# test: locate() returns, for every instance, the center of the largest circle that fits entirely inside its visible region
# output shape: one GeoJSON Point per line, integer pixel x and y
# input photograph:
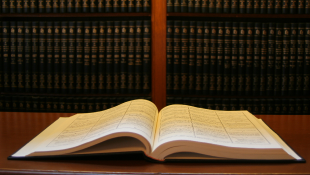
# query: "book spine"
{"type": "Point", "coordinates": [71, 56]}
{"type": "Point", "coordinates": [138, 5]}
{"type": "Point", "coordinates": [48, 6]}
{"type": "Point", "coordinates": [306, 73]}
{"type": "Point", "coordinates": [270, 6]}
{"type": "Point", "coordinates": [93, 6]}
{"type": "Point", "coordinates": [212, 6]}
{"type": "Point", "coordinates": [197, 6]}
{"type": "Point", "coordinates": [64, 57]}
{"type": "Point", "coordinates": [206, 58]}
{"type": "Point", "coordinates": [5, 6]}
{"type": "Point", "coordinates": [35, 56]}
{"type": "Point", "coordinates": [242, 6]}
{"type": "Point", "coordinates": [204, 6]}
{"type": "Point", "coordinates": [101, 56]}
{"type": "Point", "coordinates": [55, 6]}
{"type": "Point", "coordinates": [301, 7]}
{"type": "Point", "coordinates": [41, 6]}
{"type": "Point", "coordinates": [116, 6]}
{"type": "Point", "coordinates": [33, 6]}
{"type": "Point", "coordinates": [12, 6]}
{"type": "Point", "coordinates": [218, 6]}
{"type": "Point", "coordinates": [79, 57]}
{"type": "Point", "coordinates": [19, 6]}
{"type": "Point", "coordinates": [176, 56]}
{"type": "Point", "coordinates": [86, 65]}
{"type": "Point", "coordinates": [278, 7]}
{"type": "Point", "coordinates": [138, 56]}
{"type": "Point", "coordinates": [191, 7]}
{"type": "Point", "coordinates": [285, 58]}
{"type": "Point", "coordinates": [49, 56]}
{"type": "Point", "coordinates": [293, 6]}
{"type": "Point", "coordinates": [28, 67]}
{"type": "Point", "coordinates": [5, 67]}
{"type": "Point", "coordinates": [234, 58]}
{"type": "Point", "coordinates": [278, 59]}
{"type": "Point", "coordinates": [116, 56]}
{"type": "Point", "coordinates": [263, 6]}
{"type": "Point", "coordinates": [124, 6]}
{"type": "Point", "coordinates": [307, 7]}
{"type": "Point", "coordinates": [226, 6]}
{"type": "Point", "coordinates": [85, 6]}
{"type": "Point", "coordinates": [170, 6]}
{"type": "Point", "coordinates": [300, 57]}
{"type": "Point", "coordinates": [94, 57]}
{"type": "Point", "coordinates": [249, 6]}
{"type": "Point", "coordinates": [256, 6]}
{"type": "Point", "coordinates": [123, 57]}
{"type": "Point", "coordinates": [56, 62]}
{"type": "Point", "coordinates": [26, 6]}
{"type": "Point", "coordinates": [109, 57]}
{"type": "Point", "coordinates": [169, 55]}
{"type": "Point", "coordinates": [77, 6]}
{"type": "Point", "coordinates": [219, 58]}
{"type": "Point", "coordinates": [13, 58]}
{"type": "Point", "coordinates": [263, 59]}
{"type": "Point", "coordinates": [192, 57]}
{"type": "Point", "coordinates": [146, 6]}
{"type": "Point", "coordinates": [257, 58]}
{"type": "Point", "coordinates": [62, 6]}
{"type": "Point", "coordinates": [227, 58]}
{"type": "Point", "coordinates": [292, 60]}
{"type": "Point", "coordinates": [199, 57]}
{"type": "Point", "coordinates": [241, 60]}
{"type": "Point", "coordinates": [249, 68]}
{"type": "Point", "coordinates": [70, 6]}
{"type": "Point", "coordinates": [131, 56]}
{"type": "Point", "coordinates": [213, 56]}
{"type": "Point", "coordinates": [146, 63]}
{"type": "Point", "coordinates": [20, 57]}
{"type": "Point", "coordinates": [131, 6]}
{"type": "Point", "coordinates": [234, 6]}
{"type": "Point", "coordinates": [176, 5]}
{"type": "Point", "coordinates": [270, 59]}
{"type": "Point", "coordinates": [101, 6]}
{"type": "Point", "coordinates": [285, 6]}
{"type": "Point", "coordinates": [42, 56]}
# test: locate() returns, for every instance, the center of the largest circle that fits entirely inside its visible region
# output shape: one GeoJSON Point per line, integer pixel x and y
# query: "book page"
{"type": "Point", "coordinates": [135, 116]}
{"type": "Point", "coordinates": [226, 128]}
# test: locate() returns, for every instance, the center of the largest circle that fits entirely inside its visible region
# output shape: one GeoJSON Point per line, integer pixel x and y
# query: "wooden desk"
{"type": "Point", "coordinates": [17, 128]}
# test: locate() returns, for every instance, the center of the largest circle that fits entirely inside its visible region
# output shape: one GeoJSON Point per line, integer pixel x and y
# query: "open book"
{"type": "Point", "coordinates": [177, 132]}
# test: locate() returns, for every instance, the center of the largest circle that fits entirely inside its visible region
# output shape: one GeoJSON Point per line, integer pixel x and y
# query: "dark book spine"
{"type": "Point", "coordinates": [242, 6]}
{"type": "Point", "coordinates": [20, 57]}
{"type": "Point", "coordinates": [131, 56]}
{"type": "Point", "coordinates": [270, 6]}
{"type": "Point", "coordinates": [169, 55]}
{"type": "Point", "coordinates": [241, 60]}
{"type": "Point", "coordinates": [5, 6]}
{"type": "Point", "coordinates": [278, 59]}
{"type": "Point", "coordinates": [293, 6]}
{"type": "Point", "coordinates": [306, 74]}
{"type": "Point", "coordinates": [19, 6]}
{"type": "Point", "coordinates": [146, 6]}
{"type": "Point", "coordinates": [146, 62]}
{"type": "Point", "coordinates": [62, 6]}
{"type": "Point", "coordinates": [33, 6]}
{"type": "Point", "coordinates": [285, 6]}
{"type": "Point", "coordinates": [64, 57]}
{"type": "Point", "coordinates": [71, 56]}
{"type": "Point", "coordinates": [234, 6]}
{"type": "Point", "coordinates": [48, 6]}
{"type": "Point", "coordinates": [42, 56]}
{"type": "Point", "coordinates": [191, 7]}
{"type": "Point", "coordinates": [184, 57]}
{"type": "Point", "coordinates": [192, 57]}
{"type": "Point", "coordinates": [300, 57]}
{"type": "Point", "coordinates": [249, 6]}
{"type": "Point", "coordinates": [227, 58]}
{"type": "Point", "coordinates": [79, 56]}
{"type": "Point", "coordinates": [197, 6]}
{"type": "Point", "coordinates": [70, 6]}
{"type": "Point", "coordinates": [256, 59]}
{"type": "Point", "coordinates": [41, 6]}
{"type": "Point", "coordinates": [301, 6]}
{"type": "Point", "coordinates": [35, 56]}
{"type": "Point", "coordinates": [176, 56]}
{"type": "Point", "coordinates": [204, 6]}
{"type": "Point", "coordinates": [184, 7]}
{"type": "Point", "coordinates": [116, 55]}
{"type": "Point", "coordinates": [263, 59]}
{"type": "Point", "coordinates": [206, 58]}
{"type": "Point", "coordinates": [263, 6]}
{"type": "Point", "coordinates": [138, 5]}
{"type": "Point", "coordinates": [124, 6]}
{"type": "Point", "coordinates": [93, 6]}
{"type": "Point", "coordinates": [28, 67]}
{"type": "Point", "coordinates": [56, 6]}
{"type": "Point", "coordinates": [249, 68]}
{"type": "Point", "coordinates": [101, 6]}
{"type": "Point", "coordinates": [213, 56]}
{"type": "Point", "coordinates": [219, 6]}
{"type": "Point", "coordinates": [101, 56]}
{"type": "Point", "coordinates": [116, 6]}
{"type": "Point", "coordinates": [307, 7]}
{"type": "Point", "coordinates": [12, 6]}
{"type": "Point", "coordinates": [13, 58]}
{"type": "Point", "coordinates": [49, 56]}
{"type": "Point", "coordinates": [123, 57]}
{"type": "Point", "coordinates": [57, 55]}
{"type": "Point", "coordinates": [5, 31]}
{"type": "Point", "coordinates": [26, 6]}
{"type": "Point", "coordinates": [278, 7]}
{"type": "Point", "coordinates": [77, 6]}
{"type": "Point", "coordinates": [226, 6]}
{"type": "Point", "coordinates": [94, 57]}
{"type": "Point", "coordinates": [234, 58]}
{"type": "Point", "coordinates": [86, 60]}
{"type": "Point", "coordinates": [109, 57]}
{"type": "Point", "coordinates": [170, 6]}
{"type": "Point", "coordinates": [138, 56]}
{"type": "Point", "coordinates": [270, 59]}
{"type": "Point", "coordinates": [85, 6]}
{"type": "Point", "coordinates": [211, 6]}
{"type": "Point", "coordinates": [176, 5]}
{"type": "Point", "coordinates": [285, 58]}
{"type": "Point", "coordinates": [219, 58]}
{"type": "Point", "coordinates": [256, 6]}
{"type": "Point", "coordinates": [292, 60]}
{"type": "Point", "coordinates": [131, 6]}
{"type": "Point", "coordinates": [199, 57]}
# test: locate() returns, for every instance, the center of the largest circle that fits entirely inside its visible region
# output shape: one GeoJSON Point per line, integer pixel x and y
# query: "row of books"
{"type": "Point", "coordinates": [72, 104]}
{"type": "Point", "coordinates": [239, 6]}
{"type": "Point", "coordinates": [74, 6]}
{"type": "Point", "coordinates": [238, 58]}
{"type": "Point", "coordinates": [76, 56]}
{"type": "Point", "coordinates": [253, 105]}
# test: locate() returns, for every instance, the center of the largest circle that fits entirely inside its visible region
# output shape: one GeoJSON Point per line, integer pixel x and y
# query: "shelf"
{"type": "Point", "coordinates": [237, 15]}
{"type": "Point", "coordinates": [73, 94]}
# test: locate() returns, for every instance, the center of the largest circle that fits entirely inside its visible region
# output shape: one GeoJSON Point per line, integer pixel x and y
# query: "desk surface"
{"type": "Point", "coordinates": [17, 128]}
